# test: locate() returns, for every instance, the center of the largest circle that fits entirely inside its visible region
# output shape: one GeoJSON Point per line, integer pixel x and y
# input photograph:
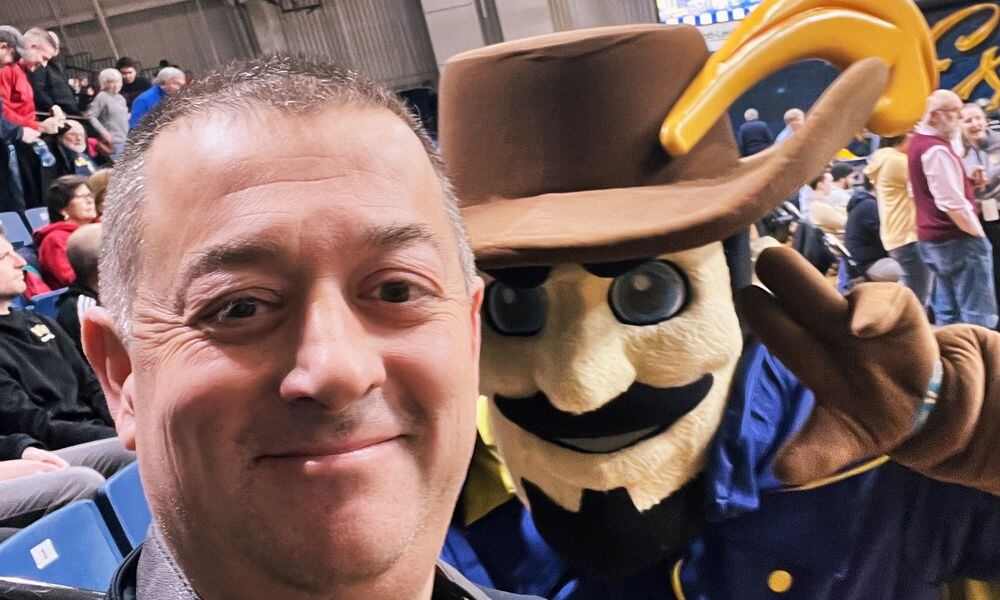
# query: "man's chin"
{"type": "Point", "coordinates": [609, 538]}
{"type": "Point", "coordinates": [317, 554]}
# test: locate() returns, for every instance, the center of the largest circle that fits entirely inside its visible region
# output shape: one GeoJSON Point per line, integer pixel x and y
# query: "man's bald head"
{"type": "Point", "coordinates": [943, 112]}
{"type": "Point", "coordinates": [74, 137]}
{"type": "Point", "coordinates": [83, 250]}
{"type": "Point", "coordinates": [942, 100]}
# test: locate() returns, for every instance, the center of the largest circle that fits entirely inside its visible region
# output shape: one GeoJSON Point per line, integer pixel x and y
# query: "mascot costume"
{"type": "Point", "coordinates": [846, 450]}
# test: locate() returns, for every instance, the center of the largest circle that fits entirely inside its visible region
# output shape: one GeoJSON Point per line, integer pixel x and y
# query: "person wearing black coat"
{"type": "Point", "coordinates": [869, 258]}
{"type": "Point", "coordinates": [51, 87]}
{"type": "Point", "coordinates": [11, 192]}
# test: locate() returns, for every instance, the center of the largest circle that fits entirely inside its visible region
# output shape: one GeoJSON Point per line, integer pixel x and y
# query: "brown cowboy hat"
{"type": "Point", "coordinates": [552, 144]}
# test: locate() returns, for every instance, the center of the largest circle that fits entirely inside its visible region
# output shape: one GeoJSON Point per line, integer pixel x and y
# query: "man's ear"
{"type": "Point", "coordinates": [107, 354]}
{"type": "Point", "coordinates": [476, 303]}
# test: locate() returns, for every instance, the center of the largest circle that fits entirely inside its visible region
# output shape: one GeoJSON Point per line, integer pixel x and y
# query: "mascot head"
{"type": "Point", "coordinates": [611, 338]}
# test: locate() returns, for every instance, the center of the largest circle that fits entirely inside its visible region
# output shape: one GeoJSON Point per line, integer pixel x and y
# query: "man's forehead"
{"type": "Point", "coordinates": [227, 144]}
{"type": "Point", "coordinates": [251, 172]}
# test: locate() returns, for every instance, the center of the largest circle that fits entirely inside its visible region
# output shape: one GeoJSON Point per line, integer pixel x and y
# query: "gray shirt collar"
{"type": "Point", "coordinates": [159, 577]}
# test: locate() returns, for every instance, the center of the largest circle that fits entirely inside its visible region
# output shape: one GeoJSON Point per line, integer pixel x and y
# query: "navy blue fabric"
{"type": "Point", "coordinates": [861, 234]}
{"type": "Point", "coordinates": [753, 137]}
{"type": "Point", "coordinates": [886, 533]}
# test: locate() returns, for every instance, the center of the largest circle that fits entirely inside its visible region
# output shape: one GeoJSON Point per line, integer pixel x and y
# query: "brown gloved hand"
{"type": "Point", "coordinates": [959, 441]}
{"type": "Point", "coordinates": [868, 359]}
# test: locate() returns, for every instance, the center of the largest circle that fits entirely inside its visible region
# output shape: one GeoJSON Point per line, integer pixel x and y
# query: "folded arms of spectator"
{"type": "Point", "coordinates": [19, 414]}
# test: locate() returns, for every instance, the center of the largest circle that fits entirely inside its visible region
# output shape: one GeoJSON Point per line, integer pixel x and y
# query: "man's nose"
{"type": "Point", "coordinates": [338, 360]}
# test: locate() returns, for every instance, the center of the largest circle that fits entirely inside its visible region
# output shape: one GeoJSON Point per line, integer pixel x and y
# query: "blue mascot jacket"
{"type": "Point", "coordinates": [877, 531]}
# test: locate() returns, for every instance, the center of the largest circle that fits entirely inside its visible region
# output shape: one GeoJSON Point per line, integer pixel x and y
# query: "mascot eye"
{"type": "Point", "coordinates": [515, 311]}
{"type": "Point", "coordinates": [648, 294]}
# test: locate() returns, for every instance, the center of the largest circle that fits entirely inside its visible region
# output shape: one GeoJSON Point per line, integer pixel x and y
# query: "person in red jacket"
{"type": "Point", "coordinates": [71, 205]}
{"type": "Point", "coordinates": [15, 88]}
{"type": "Point", "coordinates": [16, 61]}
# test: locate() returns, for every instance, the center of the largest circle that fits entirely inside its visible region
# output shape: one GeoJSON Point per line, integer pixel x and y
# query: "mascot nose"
{"type": "Point", "coordinates": [586, 364]}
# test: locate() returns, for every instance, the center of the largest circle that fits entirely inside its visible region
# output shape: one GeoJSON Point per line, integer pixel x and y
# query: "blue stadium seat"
{"type": "Point", "coordinates": [37, 217]}
{"type": "Point", "coordinates": [71, 546]}
{"type": "Point", "coordinates": [123, 503]}
{"type": "Point", "coordinates": [16, 232]}
{"type": "Point", "coordinates": [46, 303]}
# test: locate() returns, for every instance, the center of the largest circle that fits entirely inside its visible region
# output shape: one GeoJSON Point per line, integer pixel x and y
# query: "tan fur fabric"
{"type": "Point", "coordinates": [585, 357]}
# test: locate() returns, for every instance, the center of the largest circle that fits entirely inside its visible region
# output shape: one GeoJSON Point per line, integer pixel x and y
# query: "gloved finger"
{"type": "Point", "coordinates": [828, 442]}
{"type": "Point", "coordinates": [792, 343]}
{"type": "Point", "coordinates": [876, 308]}
{"type": "Point", "coordinates": [804, 293]}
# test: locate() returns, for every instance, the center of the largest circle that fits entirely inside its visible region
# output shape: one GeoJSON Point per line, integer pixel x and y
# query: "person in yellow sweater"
{"type": "Point", "coordinates": [897, 213]}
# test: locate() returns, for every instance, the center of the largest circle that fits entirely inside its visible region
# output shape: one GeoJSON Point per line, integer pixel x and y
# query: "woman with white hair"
{"type": "Point", "coordinates": [109, 113]}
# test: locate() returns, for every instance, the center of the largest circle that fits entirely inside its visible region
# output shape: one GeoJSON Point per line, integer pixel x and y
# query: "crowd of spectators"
{"type": "Point", "coordinates": [920, 210]}
{"type": "Point", "coordinates": [59, 134]}
{"type": "Point", "coordinates": [47, 115]}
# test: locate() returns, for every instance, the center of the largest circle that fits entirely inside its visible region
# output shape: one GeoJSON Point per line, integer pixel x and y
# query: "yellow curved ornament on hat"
{"type": "Point", "coordinates": [780, 32]}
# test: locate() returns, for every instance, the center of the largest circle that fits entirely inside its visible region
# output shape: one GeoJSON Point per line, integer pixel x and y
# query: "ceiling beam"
{"type": "Point", "coordinates": [114, 11]}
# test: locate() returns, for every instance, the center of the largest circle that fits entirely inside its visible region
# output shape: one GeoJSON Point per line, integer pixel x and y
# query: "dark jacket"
{"type": "Point", "coordinates": [68, 162]}
{"type": "Point", "coordinates": [11, 195]}
{"type": "Point", "coordinates": [753, 137]}
{"type": "Point", "coordinates": [132, 90]}
{"type": "Point", "coordinates": [861, 233]}
{"type": "Point", "coordinates": [9, 132]}
{"type": "Point", "coordinates": [52, 88]}
{"type": "Point", "coordinates": [47, 390]}
{"type": "Point", "coordinates": [13, 446]}
{"type": "Point", "coordinates": [71, 306]}
{"type": "Point", "coordinates": [163, 580]}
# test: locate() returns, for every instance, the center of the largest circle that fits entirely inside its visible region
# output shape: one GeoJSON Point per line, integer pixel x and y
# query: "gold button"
{"type": "Point", "coordinates": [779, 581]}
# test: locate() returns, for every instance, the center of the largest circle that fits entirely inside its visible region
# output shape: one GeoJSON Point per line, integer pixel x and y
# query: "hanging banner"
{"type": "Point", "coordinates": [715, 19]}
{"type": "Point", "coordinates": [967, 40]}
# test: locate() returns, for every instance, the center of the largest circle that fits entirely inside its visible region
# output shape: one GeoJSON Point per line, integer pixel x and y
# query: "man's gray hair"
{"type": "Point", "coordinates": [108, 76]}
{"type": "Point", "coordinates": [37, 35]}
{"type": "Point", "coordinates": [291, 84]}
{"type": "Point", "coordinates": [167, 73]}
{"type": "Point", "coordinates": [793, 113]}
{"type": "Point", "coordinates": [751, 114]}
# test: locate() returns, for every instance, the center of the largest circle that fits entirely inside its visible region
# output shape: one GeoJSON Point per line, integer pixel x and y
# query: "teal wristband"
{"type": "Point", "coordinates": [930, 398]}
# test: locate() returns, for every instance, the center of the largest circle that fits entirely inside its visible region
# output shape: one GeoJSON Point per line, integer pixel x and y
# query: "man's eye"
{"type": "Point", "coordinates": [396, 292]}
{"type": "Point", "coordinates": [243, 308]}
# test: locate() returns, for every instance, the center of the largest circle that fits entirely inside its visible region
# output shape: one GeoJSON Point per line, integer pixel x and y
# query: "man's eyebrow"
{"type": "Point", "coordinates": [393, 237]}
{"type": "Point", "coordinates": [227, 255]}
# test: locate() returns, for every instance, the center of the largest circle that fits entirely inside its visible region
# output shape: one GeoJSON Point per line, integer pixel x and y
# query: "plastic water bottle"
{"type": "Point", "coordinates": [44, 154]}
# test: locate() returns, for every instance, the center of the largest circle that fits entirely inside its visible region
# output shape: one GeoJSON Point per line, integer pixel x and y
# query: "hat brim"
{"type": "Point", "coordinates": [627, 223]}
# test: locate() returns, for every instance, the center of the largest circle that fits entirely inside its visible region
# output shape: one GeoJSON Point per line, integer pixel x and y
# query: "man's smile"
{"type": "Point", "coordinates": [639, 413]}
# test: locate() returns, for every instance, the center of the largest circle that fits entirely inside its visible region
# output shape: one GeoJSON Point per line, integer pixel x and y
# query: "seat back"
{"type": "Point", "coordinates": [71, 546]}
{"type": "Point", "coordinates": [37, 217]}
{"type": "Point", "coordinates": [15, 231]}
{"type": "Point", "coordinates": [123, 503]}
{"type": "Point", "coordinates": [46, 303]}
